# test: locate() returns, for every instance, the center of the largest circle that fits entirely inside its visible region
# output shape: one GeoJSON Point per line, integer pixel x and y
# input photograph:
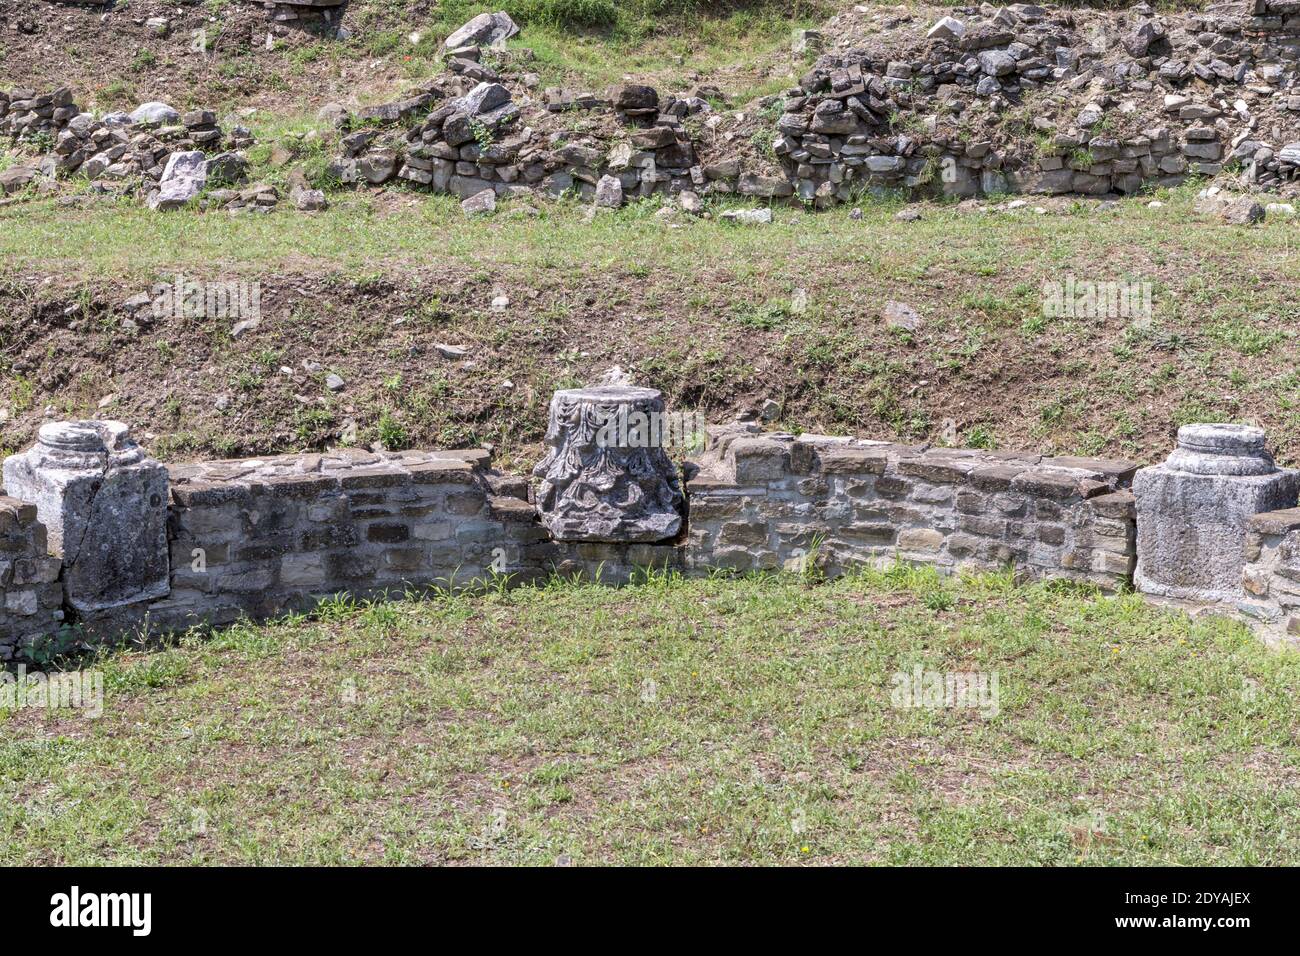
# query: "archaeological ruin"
{"type": "Point", "coordinates": [98, 541]}
{"type": "Point", "coordinates": [989, 101]}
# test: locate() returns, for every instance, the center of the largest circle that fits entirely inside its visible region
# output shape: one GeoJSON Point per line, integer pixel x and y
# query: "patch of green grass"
{"type": "Point", "coordinates": [724, 720]}
{"type": "Point", "coordinates": [391, 432]}
{"type": "Point", "coordinates": [1249, 337]}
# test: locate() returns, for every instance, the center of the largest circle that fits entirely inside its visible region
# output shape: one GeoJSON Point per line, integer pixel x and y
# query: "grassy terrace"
{"type": "Point", "coordinates": [703, 312]}
{"type": "Point", "coordinates": [386, 232]}
{"type": "Point", "coordinates": [725, 720]}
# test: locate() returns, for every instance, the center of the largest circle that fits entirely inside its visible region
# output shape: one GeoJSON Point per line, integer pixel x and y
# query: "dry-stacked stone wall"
{"type": "Point", "coordinates": [261, 536]}
{"type": "Point", "coordinates": [1016, 99]}
{"type": "Point", "coordinates": [1024, 99]}
{"type": "Point", "coordinates": [779, 502]}
{"type": "Point", "coordinates": [31, 597]}
{"type": "Point", "coordinates": [1271, 578]}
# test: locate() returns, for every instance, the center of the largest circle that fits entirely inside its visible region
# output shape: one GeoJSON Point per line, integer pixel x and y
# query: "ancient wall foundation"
{"type": "Point", "coordinates": [115, 543]}
{"type": "Point", "coordinates": [1271, 572]}
{"type": "Point", "coordinates": [1024, 98]}
{"type": "Point", "coordinates": [31, 595]}
{"type": "Point", "coordinates": [779, 502]}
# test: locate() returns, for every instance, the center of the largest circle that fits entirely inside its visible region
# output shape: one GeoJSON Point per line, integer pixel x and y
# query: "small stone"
{"type": "Point", "coordinates": [309, 200]}
{"type": "Point", "coordinates": [691, 202]}
{"type": "Point", "coordinates": [500, 303]}
{"type": "Point", "coordinates": [908, 215]}
{"type": "Point", "coordinates": [898, 315]}
{"type": "Point", "coordinates": [749, 217]}
{"type": "Point", "coordinates": [996, 63]}
{"type": "Point", "coordinates": [482, 203]}
{"type": "Point", "coordinates": [15, 178]}
{"type": "Point", "coordinates": [335, 382]}
{"type": "Point", "coordinates": [450, 351]}
{"type": "Point", "coordinates": [1088, 117]}
{"type": "Point", "coordinates": [486, 29]}
{"type": "Point", "coordinates": [335, 114]}
{"type": "Point", "coordinates": [1243, 211]}
{"type": "Point", "coordinates": [609, 192]}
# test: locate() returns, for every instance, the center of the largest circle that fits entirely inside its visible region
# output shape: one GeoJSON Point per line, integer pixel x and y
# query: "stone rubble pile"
{"type": "Point", "coordinates": [167, 156]}
{"type": "Point", "coordinates": [323, 16]}
{"type": "Point", "coordinates": [320, 16]}
{"type": "Point", "coordinates": [984, 101]}
{"type": "Point", "coordinates": [1020, 99]}
{"type": "Point", "coordinates": [476, 137]}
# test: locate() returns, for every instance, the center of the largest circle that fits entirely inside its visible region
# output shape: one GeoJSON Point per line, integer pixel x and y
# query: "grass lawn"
{"type": "Point", "coordinates": [696, 722]}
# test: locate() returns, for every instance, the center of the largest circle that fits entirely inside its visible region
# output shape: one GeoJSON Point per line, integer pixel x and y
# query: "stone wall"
{"type": "Point", "coordinates": [1015, 99]}
{"type": "Point", "coordinates": [1271, 578]}
{"type": "Point", "coordinates": [261, 536]}
{"type": "Point", "coordinates": [775, 502]}
{"type": "Point", "coordinates": [31, 597]}
{"type": "Point", "coordinates": [474, 138]}
{"type": "Point", "coordinates": [1144, 102]}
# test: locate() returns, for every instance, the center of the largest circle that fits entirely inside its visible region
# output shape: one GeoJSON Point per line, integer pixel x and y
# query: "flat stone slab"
{"type": "Point", "coordinates": [203, 482]}
{"type": "Point", "coordinates": [1276, 522]}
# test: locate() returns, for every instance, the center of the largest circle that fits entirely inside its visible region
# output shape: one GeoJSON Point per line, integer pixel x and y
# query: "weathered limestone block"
{"type": "Point", "coordinates": [606, 476]}
{"type": "Point", "coordinates": [103, 502]}
{"type": "Point", "coordinates": [1193, 510]}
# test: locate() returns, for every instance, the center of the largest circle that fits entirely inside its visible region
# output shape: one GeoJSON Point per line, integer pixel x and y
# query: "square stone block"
{"type": "Point", "coordinates": [1193, 511]}
{"type": "Point", "coordinates": [104, 504]}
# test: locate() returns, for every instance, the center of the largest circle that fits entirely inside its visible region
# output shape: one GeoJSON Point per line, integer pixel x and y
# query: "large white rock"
{"type": "Point", "coordinates": [182, 180]}
{"type": "Point", "coordinates": [1193, 509]}
{"type": "Point", "coordinates": [947, 28]}
{"type": "Point", "coordinates": [159, 113]}
{"type": "Point", "coordinates": [486, 29]}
